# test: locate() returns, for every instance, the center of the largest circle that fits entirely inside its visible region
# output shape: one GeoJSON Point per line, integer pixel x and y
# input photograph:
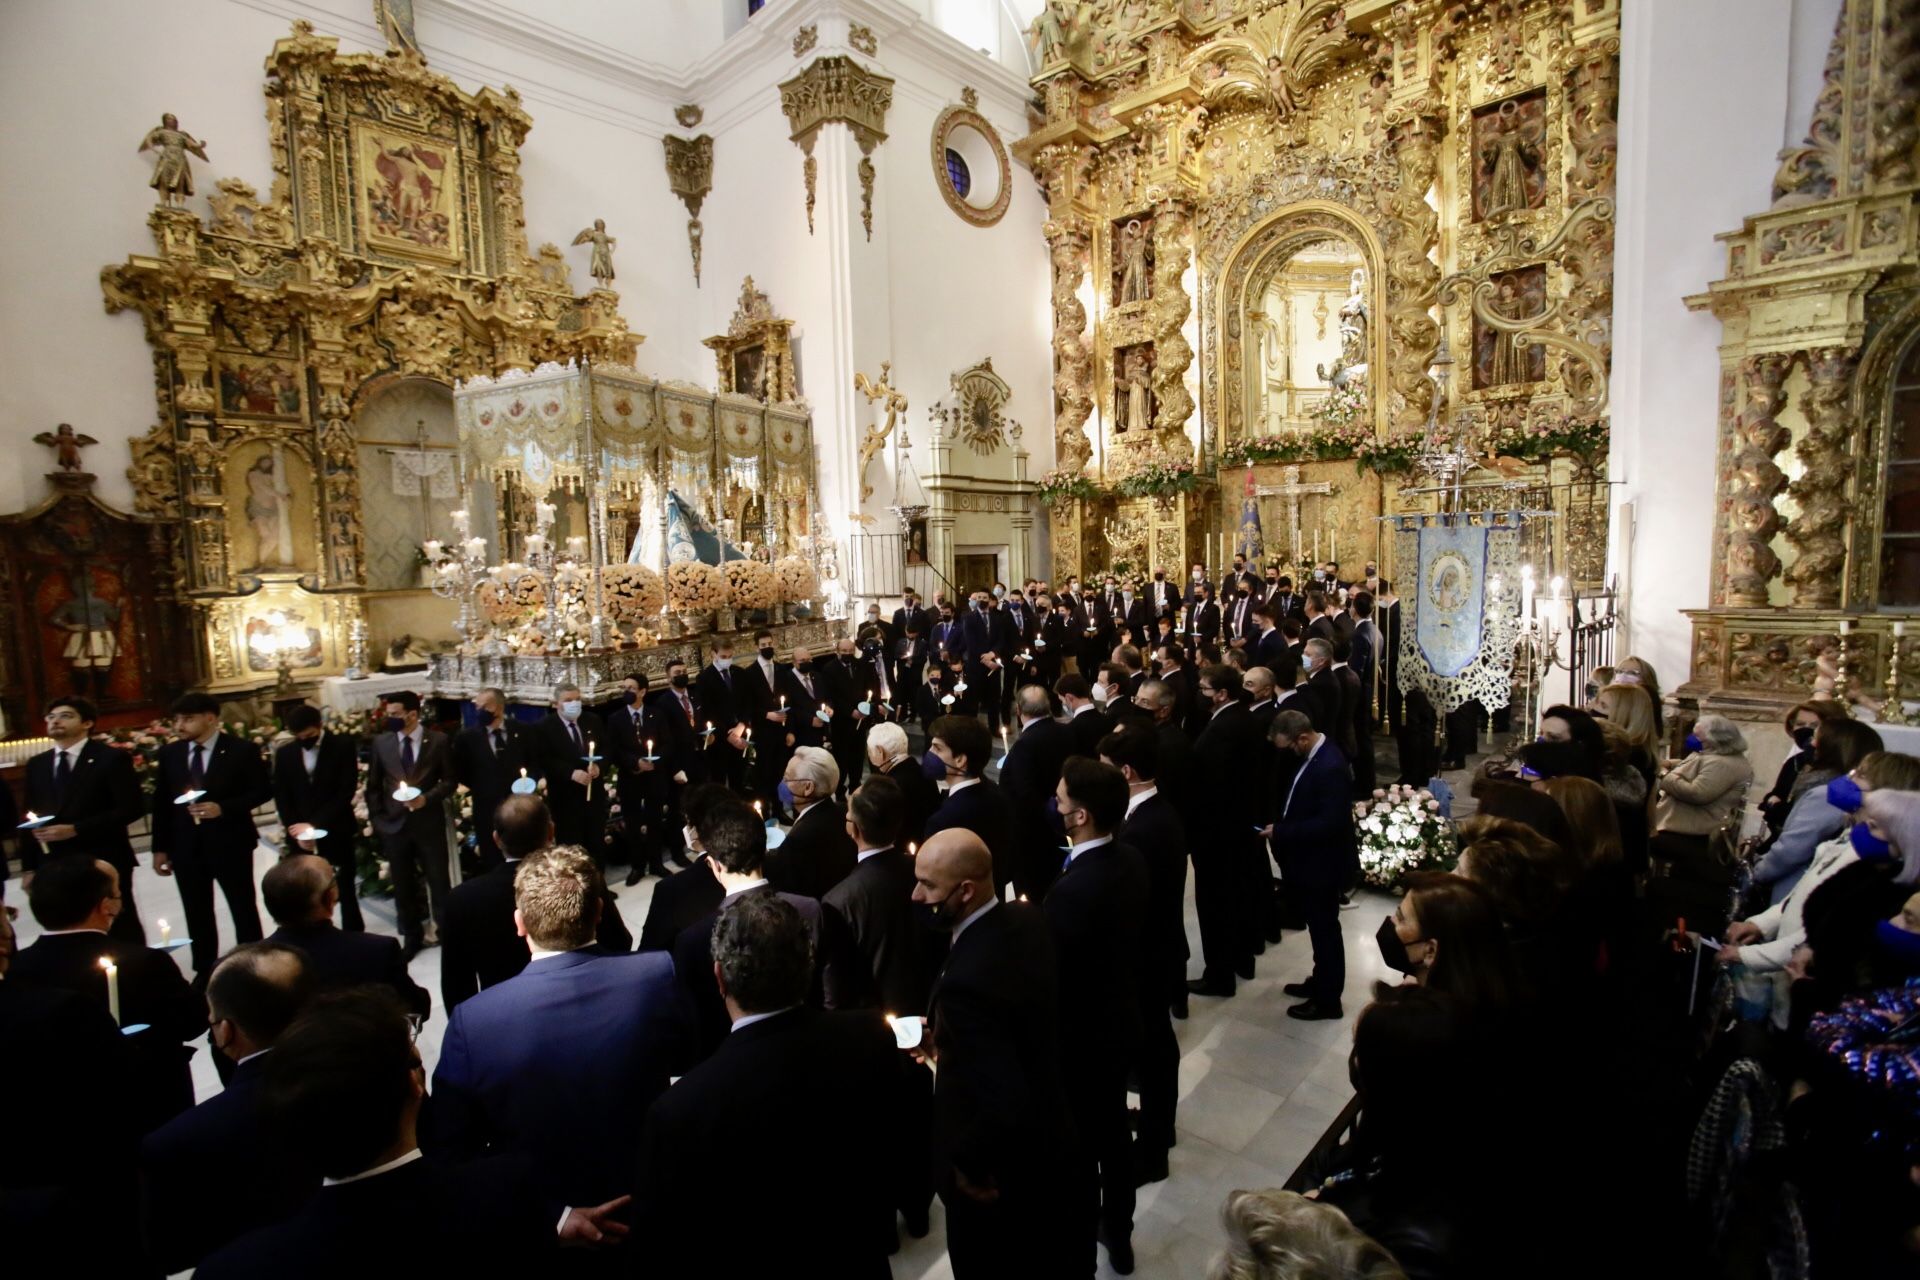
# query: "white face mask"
{"type": "Point", "coordinates": [570, 710]}
{"type": "Point", "coordinates": [1102, 691]}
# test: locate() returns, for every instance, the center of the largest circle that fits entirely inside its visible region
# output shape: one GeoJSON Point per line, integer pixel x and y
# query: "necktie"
{"type": "Point", "coordinates": [196, 767]}
{"type": "Point", "coordinates": [726, 676]}
{"type": "Point", "coordinates": [686, 705]}
{"type": "Point", "coordinates": [806, 682]}
{"type": "Point", "coordinates": [499, 741]}
{"type": "Point", "coordinates": [62, 774]}
{"type": "Point", "coordinates": [406, 754]}
{"type": "Point", "coordinates": [573, 731]}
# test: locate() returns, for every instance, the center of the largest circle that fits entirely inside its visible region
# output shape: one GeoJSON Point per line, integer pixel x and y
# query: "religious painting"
{"type": "Point", "coordinates": [1132, 240]}
{"type": "Point", "coordinates": [1133, 403]}
{"type": "Point", "coordinates": [1509, 155]}
{"type": "Point", "coordinates": [266, 634]}
{"type": "Point", "coordinates": [750, 372]}
{"type": "Point", "coordinates": [408, 190]}
{"type": "Point", "coordinates": [916, 542]}
{"type": "Point", "coordinates": [270, 520]}
{"type": "Point", "coordinates": [1499, 358]}
{"type": "Point", "coordinates": [259, 387]}
{"type": "Point", "coordinates": [86, 627]}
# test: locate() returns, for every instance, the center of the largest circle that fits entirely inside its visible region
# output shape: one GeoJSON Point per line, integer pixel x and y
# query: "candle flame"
{"type": "Point", "coordinates": [106, 963]}
{"type": "Point", "coordinates": [32, 816]}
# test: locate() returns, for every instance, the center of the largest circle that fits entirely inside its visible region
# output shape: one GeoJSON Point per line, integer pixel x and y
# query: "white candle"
{"type": "Point", "coordinates": [459, 518]}
{"type": "Point", "coordinates": [1899, 630]}
{"type": "Point", "coordinates": [432, 547]}
{"type": "Point", "coordinates": [1846, 626]}
{"type": "Point", "coordinates": [649, 746]}
{"type": "Point", "coordinates": [166, 933]}
{"type": "Point", "coordinates": [113, 988]}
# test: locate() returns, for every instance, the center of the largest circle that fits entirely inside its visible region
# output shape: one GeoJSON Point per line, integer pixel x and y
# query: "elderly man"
{"type": "Point", "coordinates": [488, 758]}
{"type": "Point", "coordinates": [301, 893]}
{"type": "Point", "coordinates": [1000, 1135]}
{"type": "Point", "coordinates": [1318, 855]}
{"type": "Point", "coordinates": [576, 786]}
{"type": "Point", "coordinates": [817, 853]}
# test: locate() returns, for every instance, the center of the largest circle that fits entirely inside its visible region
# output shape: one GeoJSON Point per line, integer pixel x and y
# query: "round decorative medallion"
{"type": "Point", "coordinates": [970, 164]}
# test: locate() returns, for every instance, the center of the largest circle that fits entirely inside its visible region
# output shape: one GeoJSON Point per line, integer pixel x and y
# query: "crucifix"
{"type": "Point", "coordinates": [1292, 489]}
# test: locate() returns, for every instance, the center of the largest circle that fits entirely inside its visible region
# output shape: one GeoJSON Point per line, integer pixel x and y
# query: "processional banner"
{"type": "Point", "coordinates": [690, 536]}
{"type": "Point", "coordinates": [1249, 541]}
{"type": "Point", "coordinates": [1456, 642]}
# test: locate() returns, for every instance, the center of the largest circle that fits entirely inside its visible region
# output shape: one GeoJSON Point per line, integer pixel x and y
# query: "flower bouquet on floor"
{"type": "Point", "coordinates": [1401, 830]}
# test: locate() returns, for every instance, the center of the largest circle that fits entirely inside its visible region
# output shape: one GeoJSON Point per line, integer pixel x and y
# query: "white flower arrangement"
{"type": "Point", "coordinates": [798, 582]}
{"type": "Point", "coordinates": [1401, 831]}
{"type": "Point", "coordinates": [750, 584]}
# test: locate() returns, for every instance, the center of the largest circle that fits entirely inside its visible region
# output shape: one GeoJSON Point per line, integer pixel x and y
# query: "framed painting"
{"type": "Point", "coordinates": [259, 387]}
{"type": "Point", "coordinates": [750, 372]}
{"type": "Point", "coordinates": [407, 191]}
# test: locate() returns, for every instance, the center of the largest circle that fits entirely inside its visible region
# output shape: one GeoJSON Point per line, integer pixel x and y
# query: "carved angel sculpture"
{"type": "Point", "coordinates": [172, 175]}
{"type": "Point", "coordinates": [601, 267]}
{"type": "Point", "coordinates": [66, 445]}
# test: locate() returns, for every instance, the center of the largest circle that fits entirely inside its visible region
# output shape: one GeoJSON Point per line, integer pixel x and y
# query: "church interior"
{"type": "Point", "coordinates": [741, 406]}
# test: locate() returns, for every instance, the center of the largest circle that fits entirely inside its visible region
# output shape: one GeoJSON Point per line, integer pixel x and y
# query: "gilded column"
{"type": "Point", "coordinates": [1412, 276]}
{"type": "Point", "coordinates": [1593, 130]}
{"type": "Point", "coordinates": [1754, 480]}
{"type": "Point", "coordinates": [1072, 354]}
{"type": "Point", "coordinates": [1172, 306]}
{"type": "Point", "coordinates": [1819, 532]}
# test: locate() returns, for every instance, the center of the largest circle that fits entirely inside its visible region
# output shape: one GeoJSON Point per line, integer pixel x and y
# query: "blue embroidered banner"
{"type": "Point", "coordinates": [1250, 541]}
{"type": "Point", "coordinates": [691, 537]}
{"type": "Point", "coordinates": [1452, 597]}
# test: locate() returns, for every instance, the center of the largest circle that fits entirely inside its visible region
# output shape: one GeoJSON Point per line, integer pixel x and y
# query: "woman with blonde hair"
{"type": "Point", "coordinates": [1591, 816]}
{"type": "Point", "coordinates": [1282, 1235]}
{"type": "Point", "coordinates": [1632, 670]}
{"type": "Point", "coordinates": [1627, 708]}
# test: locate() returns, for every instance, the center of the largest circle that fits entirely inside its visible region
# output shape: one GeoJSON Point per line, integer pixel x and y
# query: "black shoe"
{"type": "Point", "coordinates": [1245, 971]}
{"type": "Point", "coordinates": [1179, 1009]}
{"type": "Point", "coordinates": [1298, 990]}
{"type": "Point", "coordinates": [658, 868]}
{"type": "Point", "coordinates": [411, 948]}
{"type": "Point", "coordinates": [1120, 1256]}
{"type": "Point", "coordinates": [633, 876]}
{"type": "Point", "coordinates": [1273, 935]}
{"type": "Point", "coordinates": [1205, 987]}
{"type": "Point", "coordinates": [611, 895]}
{"type": "Point", "coordinates": [1260, 947]}
{"type": "Point", "coordinates": [1314, 1011]}
{"type": "Point", "coordinates": [1149, 1166]}
{"type": "Point", "coordinates": [917, 1224]}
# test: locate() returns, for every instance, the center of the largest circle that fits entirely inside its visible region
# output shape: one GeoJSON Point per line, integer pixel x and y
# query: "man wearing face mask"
{"type": "Point", "coordinates": [1136, 617]}
{"type": "Point", "coordinates": [675, 724]}
{"type": "Point", "coordinates": [817, 853]}
{"type": "Point", "coordinates": [488, 757]}
{"type": "Point", "coordinates": [1325, 698]}
{"type": "Point", "coordinates": [577, 788]}
{"type": "Point", "coordinates": [637, 786]}
{"type": "Point", "coordinates": [1162, 596]}
{"type": "Point", "coordinates": [810, 706]}
{"type": "Point", "coordinates": [1313, 841]}
{"type": "Point", "coordinates": [720, 693]}
{"type": "Point", "coordinates": [1281, 595]}
{"type": "Point", "coordinates": [1229, 867]}
{"type": "Point", "coordinates": [850, 682]}
{"type": "Point", "coordinates": [1027, 776]}
{"type": "Point", "coordinates": [1000, 1105]}
{"type": "Point", "coordinates": [984, 641]}
{"type": "Point", "coordinates": [764, 683]}
{"type": "Point", "coordinates": [681, 900]}
{"type": "Point", "coordinates": [314, 780]}
{"type": "Point", "coordinates": [959, 748]}
{"type": "Point", "coordinates": [413, 831]}
{"type": "Point", "coordinates": [1203, 618]}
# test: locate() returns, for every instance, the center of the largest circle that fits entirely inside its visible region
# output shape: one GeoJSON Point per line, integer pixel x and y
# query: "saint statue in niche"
{"type": "Point", "coordinates": [267, 512]}
{"type": "Point", "coordinates": [1508, 143]}
{"type": "Point", "coordinates": [91, 625]}
{"type": "Point", "coordinates": [1501, 358]}
{"type": "Point", "coordinates": [1136, 284]}
{"type": "Point", "coordinates": [1351, 365]}
{"type": "Point", "coordinates": [172, 175]}
{"type": "Point", "coordinates": [1139, 387]}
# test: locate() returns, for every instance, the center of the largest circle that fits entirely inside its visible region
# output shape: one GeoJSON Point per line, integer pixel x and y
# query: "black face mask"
{"type": "Point", "coordinates": [803, 666]}
{"type": "Point", "coordinates": [1803, 736]}
{"type": "Point", "coordinates": [1243, 593]}
{"type": "Point", "coordinates": [933, 917]}
{"type": "Point", "coordinates": [768, 653]}
{"type": "Point", "coordinates": [396, 724]}
{"type": "Point", "coordinates": [489, 716]}
{"type": "Point", "coordinates": [680, 680]}
{"type": "Point", "coordinates": [1273, 582]}
{"type": "Point", "coordinates": [1394, 951]}
{"type": "Point", "coordinates": [630, 697]}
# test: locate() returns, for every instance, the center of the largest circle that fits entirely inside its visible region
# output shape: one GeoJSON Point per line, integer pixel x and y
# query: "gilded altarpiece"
{"type": "Point", "coordinates": [392, 242]}
{"type": "Point", "coordinates": [1814, 543]}
{"type": "Point", "coordinates": [1458, 158]}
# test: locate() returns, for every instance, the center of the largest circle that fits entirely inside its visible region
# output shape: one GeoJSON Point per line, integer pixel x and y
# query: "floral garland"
{"type": "Point", "coordinates": [1343, 407]}
{"type": "Point", "coordinates": [750, 584]}
{"type": "Point", "coordinates": [1551, 434]}
{"type": "Point", "coordinates": [1393, 456]}
{"type": "Point", "coordinates": [1401, 831]}
{"type": "Point", "coordinates": [633, 592]}
{"type": "Point", "coordinates": [1067, 486]}
{"type": "Point", "coordinates": [798, 582]}
{"type": "Point", "coordinates": [1154, 477]}
{"type": "Point", "coordinates": [1321, 444]}
{"type": "Point", "coordinates": [695, 587]}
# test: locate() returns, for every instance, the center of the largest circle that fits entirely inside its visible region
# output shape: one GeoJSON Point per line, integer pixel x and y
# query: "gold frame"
{"type": "Point", "coordinates": [369, 140]}
{"type": "Point", "coordinates": [943, 126]}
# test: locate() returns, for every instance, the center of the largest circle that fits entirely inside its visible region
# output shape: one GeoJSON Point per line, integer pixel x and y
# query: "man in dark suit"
{"type": "Point", "coordinates": [315, 777]}
{"type": "Point", "coordinates": [873, 902]}
{"type": "Point", "coordinates": [1086, 722]}
{"type": "Point", "coordinates": [989, 643]}
{"type": "Point", "coordinates": [736, 842]}
{"type": "Point", "coordinates": [1286, 602]}
{"type": "Point", "coordinates": [1134, 617]}
{"type": "Point", "coordinates": [765, 688]}
{"type": "Point", "coordinates": [300, 893]}
{"type": "Point", "coordinates": [488, 758]}
{"type": "Point", "coordinates": [212, 1174]}
{"type": "Point", "coordinates": [1097, 915]}
{"type": "Point", "coordinates": [346, 1083]}
{"type": "Point", "coordinates": [845, 682]}
{"type": "Point", "coordinates": [908, 656]}
{"type": "Point", "coordinates": [1173, 751]}
{"type": "Point", "coordinates": [1203, 618]}
{"type": "Point", "coordinates": [1352, 730]}
{"type": "Point", "coordinates": [1118, 703]}
{"type": "Point", "coordinates": [817, 853]}
{"type": "Point", "coordinates": [479, 947]}
{"type": "Point", "coordinates": [686, 898]}
{"type": "Point", "coordinates": [1318, 619]}
{"type": "Point", "coordinates": [1242, 627]}
{"type": "Point", "coordinates": [674, 724]}
{"type": "Point", "coordinates": [1163, 597]}
{"type": "Point", "coordinates": [890, 755]}
{"type": "Point", "coordinates": [412, 761]}
{"type": "Point", "coordinates": [211, 839]}
{"type": "Point", "coordinates": [801, 1097]}
{"type": "Point", "coordinates": [807, 687]}
{"type": "Point", "coordinates": [962, 747]}
{"type": "Point", "coordinates": [1323, 692]}
{"type": "Point", "coordinates": [1028, 774]}
{"type": "Point", "coordinates": [1314, 841]}
{"type": "Point", "coordinates": [89, 790]}
{"type": "Point", "coordinates": [75, 900]}
{"type": "Point", "coordinates": [1000, 1128]}
{"type": "Point", "coordinates": [1152, 827]}
{"type": "Point", "coordinates": [1224, 850]}
{"type": "Point", "coordinates": [910, 617]}
{"type": "Point", "coordinates": [1269, 648]}
{"type": "Point", "coordinates": [1171, 658]}
{"type": "Point", "coordinates": [577, 788]}
{"type": "Point", "coordinates": [630, 740]}
{"type": "Point", "coordinates": [559, 1064]}
{"type": "Point", "coordinates": [720, 695]}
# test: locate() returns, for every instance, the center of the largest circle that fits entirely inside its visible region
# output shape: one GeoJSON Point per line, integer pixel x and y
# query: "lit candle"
{"type": "Point", "coordinates": [1846, 626]}
{"type": "Point", "coordinates": [912, 848]}
{"type": "Point", "coordinates": [166, 933]}
{"type": "Point", "coordinates": [1333, 546]}
{"type": "Point", "coordinates": [1899, 630]}
{"type": "Point", "coordinates": [113, 988]}
{"type": "Point", "coordinates": [758, 811]}
{"type": "Point", "coordinates": [459, 518]}
{"type": "Point", "coordinates": [432, 547]}
{"type": "Point", "coordinates": [589, 770]}
{"type": "Point", "coordinates": [649, 746]}
{"type": "Point", "coordinates": [576, 545]}
{"type": "Point", "coordinates": [476, 548]}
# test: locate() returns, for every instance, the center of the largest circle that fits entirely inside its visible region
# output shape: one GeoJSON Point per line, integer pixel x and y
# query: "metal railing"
{"type": "Point", "coordinates": [1596, 620]}
{"type": "Point", "coordinates": [879, 569]}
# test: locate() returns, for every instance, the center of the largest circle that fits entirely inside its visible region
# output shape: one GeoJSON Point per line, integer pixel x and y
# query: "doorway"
{"type": "Point", "coordinates": [975, 572]}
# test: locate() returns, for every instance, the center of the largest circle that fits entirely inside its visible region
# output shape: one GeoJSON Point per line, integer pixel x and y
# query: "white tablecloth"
{"type": "Point", "coordinates": [351, 697]}
{"type": "Point", "coordinates": [1904, 738]}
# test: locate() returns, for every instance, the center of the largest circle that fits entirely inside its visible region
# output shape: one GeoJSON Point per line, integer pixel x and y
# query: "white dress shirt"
{"type": "Point", "coordinates": [1085, 845]}
{"type": "Point", "coordinates": [1140, 797]}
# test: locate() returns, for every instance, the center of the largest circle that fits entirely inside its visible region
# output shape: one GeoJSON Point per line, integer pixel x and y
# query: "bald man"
{"type": "Point", "coordinates": [999, 1126]}
{"type": "Point", "coordinates": [301, 893]}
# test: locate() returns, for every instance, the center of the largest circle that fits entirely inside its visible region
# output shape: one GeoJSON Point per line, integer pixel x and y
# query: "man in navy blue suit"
{"type": "Point", "coordinates": [1314, 843]}
{"type": "Point", "coordinates": [560, 1063]}
{"type": "Point", "coordinates": [961, 748]}
{"type": "Point", "coordinates": [212, 1174]}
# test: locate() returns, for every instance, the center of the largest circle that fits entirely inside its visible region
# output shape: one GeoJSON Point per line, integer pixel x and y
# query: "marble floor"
{"type": "Point", "coordinates": [1257, 1088]}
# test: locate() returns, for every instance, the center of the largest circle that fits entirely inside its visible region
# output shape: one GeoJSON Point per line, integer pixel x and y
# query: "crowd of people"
{"type": "Point", "coordinates": [919, 931]}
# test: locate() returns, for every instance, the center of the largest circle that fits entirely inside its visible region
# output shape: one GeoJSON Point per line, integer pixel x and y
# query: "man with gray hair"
{"type": "Point", "coordinates": [817, 853]}
{"type": "Point", "coordinates": [1173, 749]}
{"type": "Point", "coordinates": [800, 1096]}
{"type": "Point", "coordinates": [1312, 835]}
{"type": "Point", "coordinates": [300, 893]}
{"type": "Point", "coordinates": [577, 790]}
{"type": "Point", "coordinates": [1028, 773]}
{"type": "Point", "coordinates": [488, 756]}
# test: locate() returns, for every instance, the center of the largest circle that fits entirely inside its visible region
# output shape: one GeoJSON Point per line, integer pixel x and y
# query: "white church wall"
{"type": "Point", "coordinates": [1704, 95]}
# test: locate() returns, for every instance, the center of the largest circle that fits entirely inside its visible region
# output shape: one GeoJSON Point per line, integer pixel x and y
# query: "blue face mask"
{"type": "Point", "coordinates": [1869, 846]}
{"type": "Point", "coordinates": [1843, 793]}
{"type": "Point", "coordinates": [933, 766]}
{"type": "Point", "coordinates": [785, 793]}
{"type": "Point", "coordinates": [1692, 742]}
{"type": "Point", "coordinates": [1897, 942]}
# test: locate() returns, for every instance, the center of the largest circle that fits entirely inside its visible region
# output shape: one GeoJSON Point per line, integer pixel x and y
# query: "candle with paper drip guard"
{"type": "Point", "coordinates": [907, 1031]}
{"type": "Point", "coordinates": [166, 933]}
{"type": "Point", "coordinates": [523, 785]}
{"type": "Point", "coordinates": [592, 760]}
{"type": "Point", "coordinates": [187, 798]}
{"type": "Point", "coordinates": [35, 821]}
{"type": "Point", "coordinates": [113, 987]}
